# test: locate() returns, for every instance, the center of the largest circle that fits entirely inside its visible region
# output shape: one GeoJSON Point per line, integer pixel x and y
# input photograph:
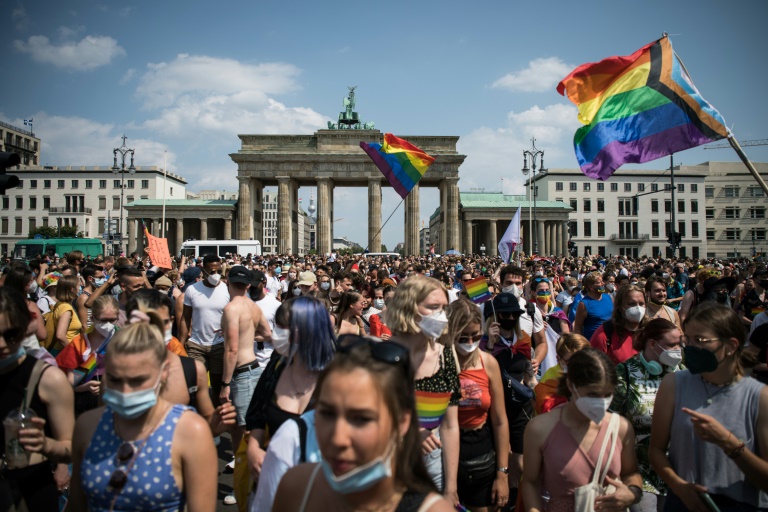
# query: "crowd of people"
{"type": "Point", "coordinates": [384, 383]}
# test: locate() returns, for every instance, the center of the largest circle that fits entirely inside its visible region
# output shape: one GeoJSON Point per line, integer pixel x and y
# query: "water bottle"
{"type": "Point", "coordinates": [15, 455]}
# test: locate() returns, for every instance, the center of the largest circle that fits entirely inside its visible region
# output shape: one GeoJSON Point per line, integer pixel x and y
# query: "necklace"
{"type": "Point", "coordinates": [296, 393]}
{"type": "Point", "coordinates": [719, 388]}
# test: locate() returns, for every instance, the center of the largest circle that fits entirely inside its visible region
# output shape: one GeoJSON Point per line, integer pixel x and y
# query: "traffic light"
{"type": "Point", "coordinates": [8, 180]}
{"type": "Point", "coordinates": [678, 239]}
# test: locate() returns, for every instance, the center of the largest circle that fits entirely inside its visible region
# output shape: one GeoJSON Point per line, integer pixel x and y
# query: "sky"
{"type": "Point", "coordinates": [183, 78]}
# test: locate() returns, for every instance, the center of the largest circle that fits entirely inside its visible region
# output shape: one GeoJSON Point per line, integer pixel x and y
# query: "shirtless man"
{"type": "Point", "coordinates": [241, 322]}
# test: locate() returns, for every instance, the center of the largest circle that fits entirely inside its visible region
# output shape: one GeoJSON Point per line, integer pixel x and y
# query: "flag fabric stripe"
{"type": "Point", "coordinates": [402, 163]}
{"type": "Point", "coordinates": [627, 123]}
{"type": "Point", "coordinates": [477, 290]}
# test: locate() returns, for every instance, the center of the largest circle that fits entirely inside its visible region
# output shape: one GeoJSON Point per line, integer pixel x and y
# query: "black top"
{"type": "Point", "coordinates": [12, 386]}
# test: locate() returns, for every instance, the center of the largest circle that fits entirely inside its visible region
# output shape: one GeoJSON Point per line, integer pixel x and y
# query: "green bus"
{"type": "Point", "coordinates": [28, 249]}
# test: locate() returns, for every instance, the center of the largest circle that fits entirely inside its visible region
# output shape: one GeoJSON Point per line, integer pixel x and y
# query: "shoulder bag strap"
{"type": "Point", "coordinates": [190, 377]}
{"type": "Point", "coordinates": [613, 435]}
{"type": "Point", "coordinates": [311, 482]}
{"type": "Point", "coordinates": [302, 439]}
{"type": "Point", "coordinates": [599, 465]}
{"type": "Point", "coordinates": [34, 379]}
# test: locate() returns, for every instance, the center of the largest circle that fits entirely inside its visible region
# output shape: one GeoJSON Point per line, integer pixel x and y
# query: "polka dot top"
{"type": "Point", "coordinates": [150, 485]}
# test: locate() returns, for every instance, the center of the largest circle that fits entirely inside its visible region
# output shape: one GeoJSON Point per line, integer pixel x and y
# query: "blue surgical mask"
{"type": "Point", "coordinates": [278, 271]}
{"type": "Point", "coordinates": [9, 361]}
{"type": "Point", "coordinates": [98, 283]}
{"type": "Point", "coordinates": [131, 405]}
{"type": "Point", "coordinates": [362, 477]}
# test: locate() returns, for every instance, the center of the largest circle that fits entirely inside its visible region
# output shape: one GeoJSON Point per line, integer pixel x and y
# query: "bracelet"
{"type": "Point", "coordinates": [736, 453]}
{"type": "Point", "coordinates": [638, 492]}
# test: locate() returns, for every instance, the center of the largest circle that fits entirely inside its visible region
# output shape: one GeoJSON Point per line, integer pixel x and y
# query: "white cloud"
{"type": "Point", "coordinates": [127, 76]}
{"type": "Point", "coordinates": [89, 53]}
{"type": "Point", "coordinates": [541, 75]}
{"type": "Point", "coordinates": [19, 18]}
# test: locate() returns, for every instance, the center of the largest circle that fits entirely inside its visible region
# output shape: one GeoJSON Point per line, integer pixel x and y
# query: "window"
{"type": "Point", "coordinates": [694, 188]}
{"type": "Point", "coordinates": [655, 251]}
{"type": "Point", "coordinates": [627, 187]}
{"type": "Point", "coordinates": [600, 228]}
{"type": "Point", "coordinates": [587, 205]}
{"type": "Point", "coordinates": [32, 223]}
{"type": "Point", "coordinates": [586, 186]}
{"type": "Point", "coordinates": [587, 228]}
{"type": "Point", "coordinates": [681, 207]}
{"type": "Point", "coordinates": [21, 184]}
{"type": "Point", "coordinates": [33, 203]}
{"type": "Point", "coordinates": [115, 183]}
{"type": "Point", "coordinates": [681, 187]}
{"type": "Point", "coordinates": [17, 226]}
{"type": "Point", "coordinates": [709, 192]}
{"type": "Point", "coordinates": [32, 183]}
{"type": "Point", "coordinates": [654, 206]}
{"type": "Point", "coordinates": [130, 183]}
{"type": "Point", "coordinates": [667, 205]}
{"type": "Point", "coordinates": [574, 204]}
{"type": "Point", "coordinates": [600, 204]}
{"type": "Point", "coordinates": [732, 234]}
{"type": "Point", "coordinates": [558, 185]}
{"type": "Point", "coordinates": [46, 203]}
{"type": "Point", "coordinates": [731, 191]}
{"type": "Point", "coordinates": [600, 187]}
{"type": "Point", "coordinates": [88, 183]}
{"type": "Point", "coordinates": [145, 184]}
{"type": "Point", "coordinates": [572, 186]}
{"type": "Point", "coordinates": [625, 207]}
{"type": "Point", "coordinates": [102, 183]}
{"type": "Point", "coordinates": [710, 213]}
{"type": "Point", "coordinates": [614, 187]}
{"type": "Point", "coordinates": [655, 229]}
{"type": "Point", "coordinates": [115, 202]}
{"type": "Point", "coordinates": [758, 234]}
{"type": "Point", "coordinates": [695, 229]}
{"type": "Point", "coordinates": [19, 203]}
{"type": "Point", "coordinates": [695, 252]}
{"type": "Point", "coordinates": [171, 190]}
{"type": "Point", "coordinates": [45, 221]}
{"type": "Point", "coordinates": [694, 206]}
{"type": "Point", "coordinates": [144, 197]}
{"type": "Point", "coordinates": [654, 187]}
{"type": "Point", "coordinates": [60, 184]}
{"type": "Point", "coordinates": [755, 191]}
{"type": "Point", "coordinates": [573, 229]}
{"type": "Point", "coordinates": [4, 229]}
{"type": "Point", "coordinates": [681, 228]}
{"type": "Point", "coordinates": [732, 212]}
{"type": "Point", "coordinates": [641, 187]}
{"type": "Point", "coordinates": [75, 183]}
{"type": "Point", "coordinates": [128, 199]}
{"type": "Point", "coordinates": [6, 203]}
{"type": "Point", "coordinates": [102, 203]}
{"type": "Point", "coordinates": [667, 229]}
{"type": "Point", "coordinates": [46, 183]}
{"type": "Point", "coordinates": [757, 212]}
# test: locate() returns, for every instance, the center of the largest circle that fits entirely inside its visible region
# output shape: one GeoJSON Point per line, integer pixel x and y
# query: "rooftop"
{"type": "Point", "coordinates": [184, 202]}
{"type": "Point", "coordinates": [501, 200]}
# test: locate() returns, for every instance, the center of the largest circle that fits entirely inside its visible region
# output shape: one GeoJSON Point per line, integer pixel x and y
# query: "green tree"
{"type": "Point", "coordinates": [54, 232]}
{"type": "Point", "coordinates": [44, 231]}
{"type": "Point", "coordinates": [384, 248]}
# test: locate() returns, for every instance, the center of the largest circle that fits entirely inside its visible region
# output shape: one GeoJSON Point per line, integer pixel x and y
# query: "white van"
{"type": "Point", "coordinates": [390, 255]}
{"type": "Point", "coordinates": [199, 248]}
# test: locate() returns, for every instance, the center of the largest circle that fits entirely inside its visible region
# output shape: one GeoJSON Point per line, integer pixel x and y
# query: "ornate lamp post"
{"type": "Point", "coordinates": [533, 154]}
{"type": "Point", "coordinates": [123, 150]}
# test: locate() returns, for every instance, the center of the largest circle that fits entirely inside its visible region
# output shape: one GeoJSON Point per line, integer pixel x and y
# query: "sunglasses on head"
{"type": "Point", "coordinates": [387, 352]}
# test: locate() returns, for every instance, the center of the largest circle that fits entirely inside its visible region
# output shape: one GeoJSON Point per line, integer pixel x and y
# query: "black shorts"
{"type": "Point", "coordinates": [518, 418]}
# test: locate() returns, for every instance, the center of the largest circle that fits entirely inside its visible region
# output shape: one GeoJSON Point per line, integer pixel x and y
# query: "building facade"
{"type": "Point", "coordinates": [85, 197]}
{"type": "Point", "coordinates": [424, 242]}
{"type": "Point", "coordinates": [213, 195]}
{"type": "Point", "coordinates": [17, 140]}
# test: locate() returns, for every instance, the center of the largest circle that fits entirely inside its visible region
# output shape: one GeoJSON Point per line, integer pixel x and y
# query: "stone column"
{"type": "Point", "coordinates": [558, 226]}
{"type": "Point", "coordinates": [228, 228]}
{"type": "Point", "coordinates": [203, 229]}
{"type": "Point", "coordinates": [564, 229]}
{"type": "Point", "coordinates": [411, 241]}
{"type": "Point", "coordinates": [323, 221]}
{"type": "Point", "coordinates": [244, 210]}
{"type": "Point", "coordinates": [468, 249]}
{"type": "Point", "coordinates": [374, 214]}
{"type": "Point", "coordinates": [131, 234]}
{"type": "Point", "coordinates": [443, 220]}
{"type": "Point", "coordinates": [156, 228]}
{"type": "Point", "coordinates": [552, 239]}
{"type": "Point", "coordinates": [540, 235]}
{"type": "Point", "coordinates": [179, 234]}
{"type": "Point", "coordinates": [284, 231]}
{"type": "Point", "coordinates": [493, 239]}
{"type": "Point", "coordinates": [452, 213]}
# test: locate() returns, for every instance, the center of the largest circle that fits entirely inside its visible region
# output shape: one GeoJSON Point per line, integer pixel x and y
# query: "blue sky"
{"type": "Point", "coordinates": [187, 77]}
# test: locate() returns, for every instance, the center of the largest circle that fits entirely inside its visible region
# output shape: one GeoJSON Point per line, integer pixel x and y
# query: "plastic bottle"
{"type": "Point", "coordinates": [15, 455]}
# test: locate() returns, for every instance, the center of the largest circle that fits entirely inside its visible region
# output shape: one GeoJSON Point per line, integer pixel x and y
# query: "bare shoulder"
{"type": "Point", "coordinates": [54, 386]}
{"type": "Point", "coordinates": [541, 425]}
{"type": "Point", "coordinates": [490, 362]}
{"type": "Point", "coordinates": [292, 487]}
{"type": "Point", "coordinates": [193, 428]}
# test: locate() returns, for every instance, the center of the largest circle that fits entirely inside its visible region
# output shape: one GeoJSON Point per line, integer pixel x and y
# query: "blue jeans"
{"type": "Point", "coordinates": [242, 387]}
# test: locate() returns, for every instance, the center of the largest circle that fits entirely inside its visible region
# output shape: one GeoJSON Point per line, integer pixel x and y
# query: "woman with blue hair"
{"type": "Point", "coordinates": [305, 344]}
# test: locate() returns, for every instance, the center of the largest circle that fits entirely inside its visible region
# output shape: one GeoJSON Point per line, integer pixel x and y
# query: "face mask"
{"type": "Point", "coordinates": [131, 405]}
{"type": "Point", "coordinates": [378, 303]}
{"type": "Point", "coordinates": [32, 287]}
{"type": "Point", "coordinates": [722, 297]}
{"type": "Point", "coordinates": [671, 357]}
{"type": "Point", "coordinates": [214, 279]}
{"type": "Point", "coordinates": [467, 348]}
{"type": "Point", "coordinates": [543, 299]}
{"type": "Point", "coordinates": [291, 275]}
{"type": "Point", "coordinates": [539, 273]}
{"type": "Point", "coordinates": [362, 477]}
{"type": "Point", "coordinates": [168, 336]}
{"type": "Point", "coordinates": [600, 290]}
{"type": "Point", "coordinates": [507, 323]}
{"type": "Point", "coordinates": [564, 367]}
{"type": "Point", "coordinates": [325, 286]}
{"type": "Point", "coordinates": [9, 361]}
{"type": "Point", "coordinates": [593, 407]}
{"type": "Point", "coordinates": [281, 340]}
{"type": "Point", "coordinates": [700, 360]}
{"type": "Point", "coordinates": [514, 290]}
{"type": "Point", "coordinates": [635, 313]}
{"type": "Point", "coordinates": [104, 328]}
{"type": "Point", "coordinates": [432, 325]}
{"type": "Point", "coordinates": [99, 282]}
{"type": "Point", "coordinates": [278, 271]}
{"type": "Point", "coordinates": [296, 291]}
{"type": "Point", "coordinates": [610, 287]}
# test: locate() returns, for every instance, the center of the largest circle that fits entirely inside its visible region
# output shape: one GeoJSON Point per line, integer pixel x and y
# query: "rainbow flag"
{"type": "Point", "coordinates": [402, 163]}
{"type": "Point", "coordinates": [87, 370]}
{"type": "Point", "coordinates": [477, 290]}
{"type": "Point", "coordinates": [636, 109]}
{"type": "Point", "coordinates": [431, 407]}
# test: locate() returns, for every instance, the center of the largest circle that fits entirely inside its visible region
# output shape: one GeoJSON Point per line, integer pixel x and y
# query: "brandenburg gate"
{"type": "Point", "coordinates": [332, 158]}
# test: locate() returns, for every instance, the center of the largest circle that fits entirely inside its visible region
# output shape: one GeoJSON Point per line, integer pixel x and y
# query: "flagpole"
{"type": "Point", "coordinates": [385, 222]}
{"type": "Point", "coordinates": [165, 187]}
{"type": "Point", "coordinates": [736, 147]}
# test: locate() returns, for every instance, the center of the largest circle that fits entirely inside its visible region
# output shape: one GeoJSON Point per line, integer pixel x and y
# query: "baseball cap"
{"type": "Point", "coordinates": [239, 274]}
{"type": "Point", "coordinates": [257, 276]}
{"type": "Point", "coordinates": [191, 274]}
{"type": "Point", "coordinates": [307, 279]}
{"type": "Point", "coordinates": [163, 281]}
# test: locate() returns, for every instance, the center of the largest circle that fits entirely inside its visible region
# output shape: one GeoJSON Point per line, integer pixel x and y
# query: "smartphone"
{"type": "Point", "coordinates": [709, 502]}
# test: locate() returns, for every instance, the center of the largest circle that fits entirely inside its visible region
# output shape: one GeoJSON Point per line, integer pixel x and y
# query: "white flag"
{"type": "Point", "coordinates": [28, 121]}
{"type": "Point", "coordinates": [511, 238]}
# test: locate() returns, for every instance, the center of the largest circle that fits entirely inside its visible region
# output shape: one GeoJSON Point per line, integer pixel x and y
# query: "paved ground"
{"type": "Point", "coordinates": [225, 477]}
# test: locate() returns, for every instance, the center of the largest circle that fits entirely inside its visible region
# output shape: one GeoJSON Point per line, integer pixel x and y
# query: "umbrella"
{"type": "Point", "coordinates": [452, 252]}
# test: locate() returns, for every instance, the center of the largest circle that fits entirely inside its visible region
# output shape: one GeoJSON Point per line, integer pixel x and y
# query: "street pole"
{"type": "Point", "coordinates": [673, 229]}
{"type": "Point", "coordinates": [533, 154]}
{"type": "Point", "coordinates": [123, 150]}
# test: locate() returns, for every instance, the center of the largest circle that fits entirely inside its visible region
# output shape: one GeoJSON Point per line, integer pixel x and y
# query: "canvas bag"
{"type": "Point", "coordinates": [584, 496]}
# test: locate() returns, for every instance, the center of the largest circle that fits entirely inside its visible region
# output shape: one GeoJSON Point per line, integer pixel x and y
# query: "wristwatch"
{"type": "Point", "coordinates": [504, 470]}
{"type": "Point", "coordinates": [638, 492]}
{"type": "Point", "coordinates": [225, 384]}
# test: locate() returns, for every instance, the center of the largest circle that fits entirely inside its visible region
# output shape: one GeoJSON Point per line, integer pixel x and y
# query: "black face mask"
{"type": "Point", "coordinates": [722, 297]}
{"type": "Point", "coordinates": [699, 360]}
{"type": "Point", "coordinates": [507, 323]}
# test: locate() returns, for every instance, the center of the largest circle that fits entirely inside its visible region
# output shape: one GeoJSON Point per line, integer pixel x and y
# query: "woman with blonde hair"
{"type": "Point", "coordinates": [547, 397]}
{"type": "Point", "coordinates": [483, 447]}
{"type": "Point", "coordinates": [416, 316]}
{"type": "Point", "coordinates": [66, 323]}
{"type": "Point", "coordinates": [139, 451]}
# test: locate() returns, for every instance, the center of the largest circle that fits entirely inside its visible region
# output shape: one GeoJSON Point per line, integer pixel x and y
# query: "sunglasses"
{"type": "Point", "coordinates": [387, 352]}
{"type": "Point", "coordinates": [11, 334]}
{"type": "Point", "coordinates": [470, 339]}
{"type": "Point", "coordinates": [124, 457]}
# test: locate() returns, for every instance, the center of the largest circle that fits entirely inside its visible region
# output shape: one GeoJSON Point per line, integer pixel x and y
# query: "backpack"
{"type": "Point", "coordinates": [190, 377]}
{"type": "Point", "coordinates": [50, 327]}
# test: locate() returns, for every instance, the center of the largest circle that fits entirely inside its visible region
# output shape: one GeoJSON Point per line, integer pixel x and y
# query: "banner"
{"type": "Point", "coordinates": [158, 251]}
{"type": "Point", "coordinates": [511, 238]}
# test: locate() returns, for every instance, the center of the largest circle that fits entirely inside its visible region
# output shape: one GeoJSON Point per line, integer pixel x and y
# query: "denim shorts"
{"type": "Point", "coordinates": [242, 387]}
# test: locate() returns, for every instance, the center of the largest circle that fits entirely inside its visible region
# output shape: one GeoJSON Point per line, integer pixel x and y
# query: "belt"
{"type": "Point", "coordinates": [246, 367]}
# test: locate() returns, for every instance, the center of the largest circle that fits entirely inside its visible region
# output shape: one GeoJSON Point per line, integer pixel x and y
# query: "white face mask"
{"type": "Point", "coordinates": [32, 287]}
{"type": "Point", "coordinates": [671, 358]}
{"type": "Point", "coordinates": [635, 313]}
{"type": "Point", "coordinates": [514, 290]}
{"type": "Point", "coordinates": [378, 303]}
{"type": "Point", "coordinates": [168, 336]}
{"type": "Point", "coordinates": [291, 275]}
{"type": "Point", "coordinates": [214, 279]}
{"type": "Point", "coordinates": [104, 328]}
{"type": "Point", "coordinates": [467, 348]}
{"type": "Point", "coordinates": [296, 291]}
{"type": "Point", "coordinates": [281, 340]}
{"type": "Point", "coordinates": [432, 326]}
{"type": "Point", "coordinates": [593, 408]}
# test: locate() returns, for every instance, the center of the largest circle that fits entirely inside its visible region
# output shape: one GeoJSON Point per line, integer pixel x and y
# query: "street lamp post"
{"type": "Point", "coordinates": [533, 154]}
{"type": "Point", "coordinates": [123, 150]}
